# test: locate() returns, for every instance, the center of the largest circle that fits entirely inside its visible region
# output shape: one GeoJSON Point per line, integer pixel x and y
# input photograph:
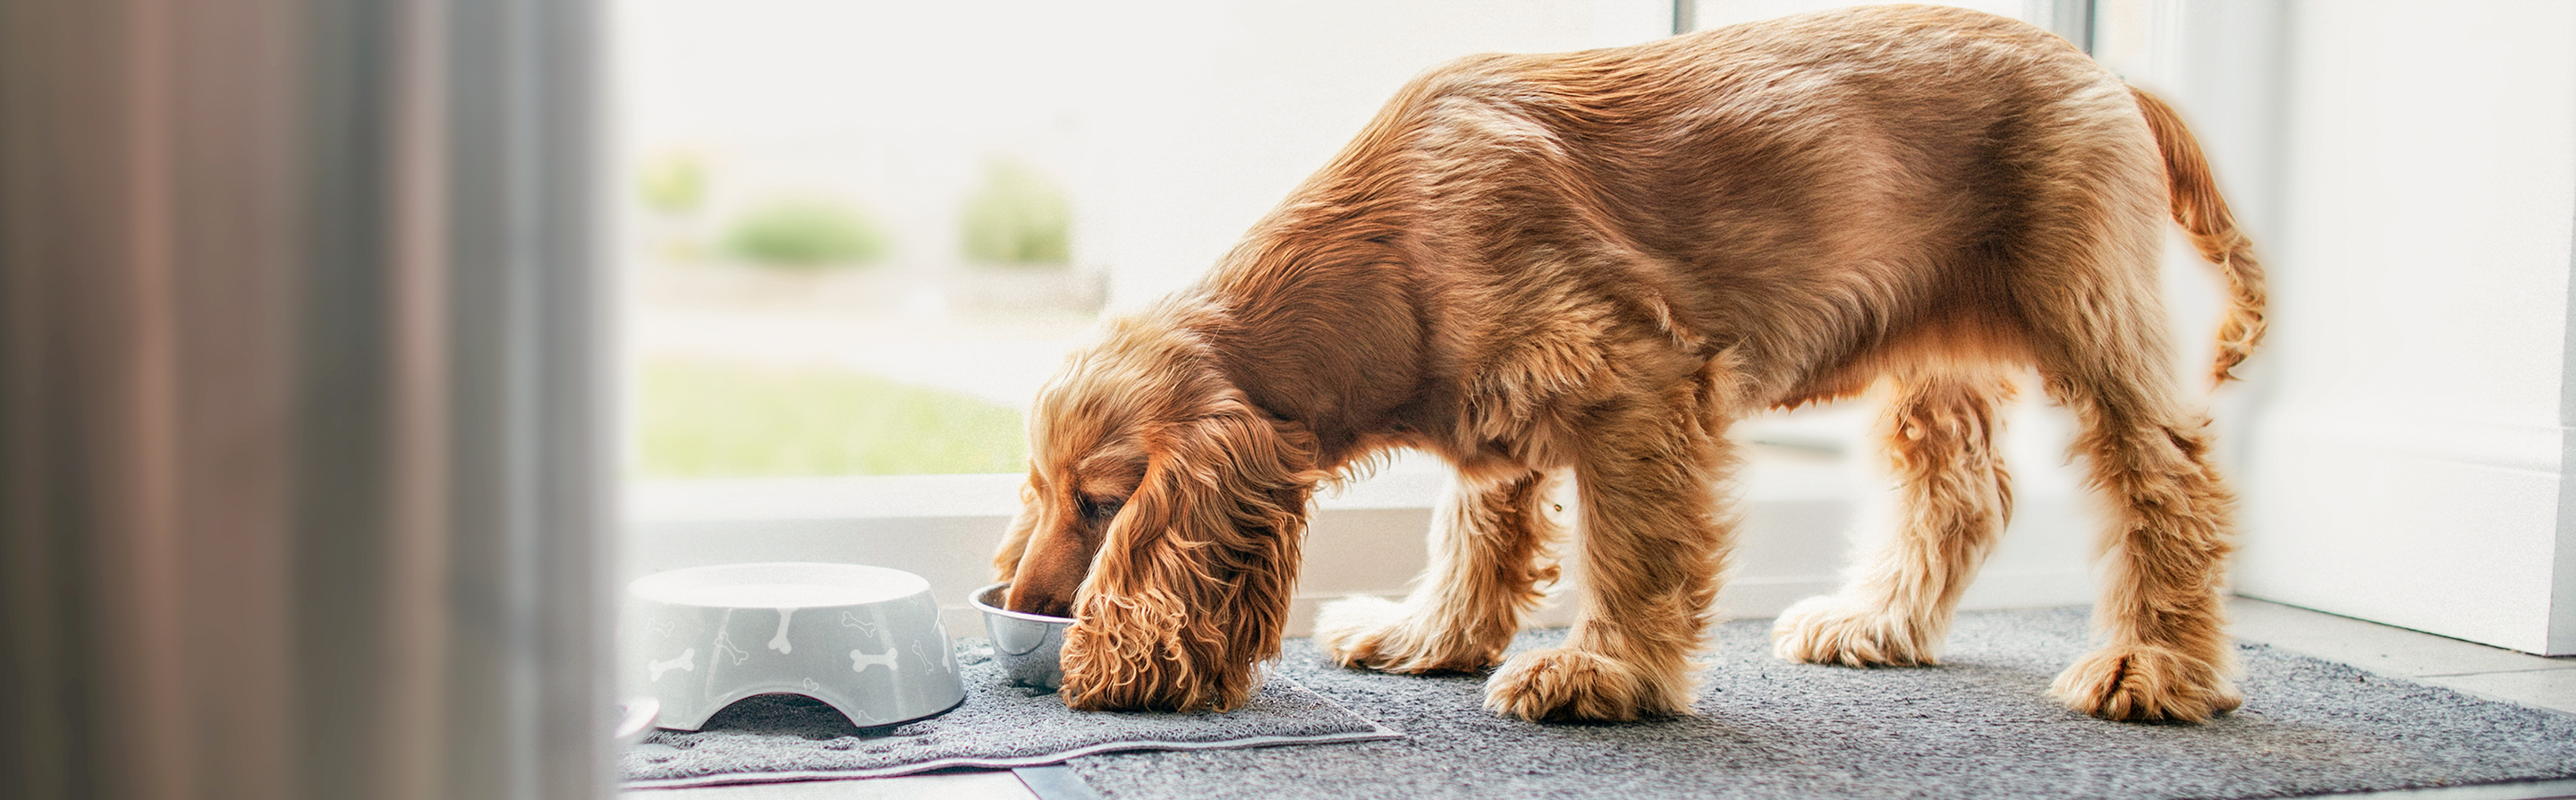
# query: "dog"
{"type": "Point", "coordinates": [1583, 266]}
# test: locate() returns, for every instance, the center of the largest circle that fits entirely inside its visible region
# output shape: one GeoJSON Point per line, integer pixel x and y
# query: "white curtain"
{"type": "Point", "coordinates": [302, 419]}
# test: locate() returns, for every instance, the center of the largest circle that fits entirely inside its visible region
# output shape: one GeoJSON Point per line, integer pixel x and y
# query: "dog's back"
{"type": "Point", "coordinates": [1826, 194]}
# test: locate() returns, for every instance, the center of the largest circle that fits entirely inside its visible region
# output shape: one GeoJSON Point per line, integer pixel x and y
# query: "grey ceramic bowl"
{"type": "Point", "coordinates": [635, 718]}
{"type": "Point", "coordinates": [1028, 646]}
{"type": "Point", "coordinates": [865, 640]}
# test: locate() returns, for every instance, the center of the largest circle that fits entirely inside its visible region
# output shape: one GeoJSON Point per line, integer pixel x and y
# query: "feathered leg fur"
{"type": "Point", "coordinates": [1487, 539]}
{"type": "Point", "coordinates": [1940, 434]}
{"type": "Point", "coordinates": [1654, 538]}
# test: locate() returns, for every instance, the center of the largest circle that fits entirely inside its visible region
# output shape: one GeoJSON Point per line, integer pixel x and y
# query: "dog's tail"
{"type": "Point", "coordinates": [2203, 214]}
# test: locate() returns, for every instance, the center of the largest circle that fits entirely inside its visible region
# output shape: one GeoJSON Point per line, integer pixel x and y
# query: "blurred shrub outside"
{"type": "Point", "coordinates": [672, 185]}
{"type": "Point", "coordinates": [1016, 218]}
{"type": "Point", "coordinates": [697, 418]}
{"type": "Point", "coordinates": [805, 233]}
{"type": "Point", "coordinates": [672, 189]}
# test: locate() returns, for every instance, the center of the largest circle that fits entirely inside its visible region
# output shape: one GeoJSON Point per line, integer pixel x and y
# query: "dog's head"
{"type": "Point", "coordinates": [1163, 513]}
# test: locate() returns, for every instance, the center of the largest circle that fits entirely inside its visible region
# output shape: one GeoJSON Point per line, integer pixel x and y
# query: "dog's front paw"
{"type": "Point", "coordinates": [1568, 685]}
{"type": "Point", "coordinates": [2141, 683]}
{"type": "Point", "coordinates": [1373, 633]}
{"type": "Point", "coordinates": [1833, 630]}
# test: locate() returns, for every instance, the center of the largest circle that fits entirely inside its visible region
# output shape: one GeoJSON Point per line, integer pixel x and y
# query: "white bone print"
{"type": "Point", "coordinates": [849, 620]}
{"type": "Point", "coordinates": [725, 646]}
{"type": "Point", "coordinates": [686, 661]}
{"type": "Point", "coordinates": [860, 660]}
{"type": "Point", "coordinates": [779, 642]}
{"type": "Point", "coordinates": [945, 663]}
{"type": "Point", "coordinates": [939, 632]}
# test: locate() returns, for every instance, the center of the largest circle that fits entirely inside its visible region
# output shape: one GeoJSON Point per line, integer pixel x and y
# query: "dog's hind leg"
{"type": "Point", "coordinates": [1895, 607]}
{"type": "Point", "coordinates": [1487, 538]}
{"type": "Point", "coordinates": [2098, 333]}
{"type": "Point", "coordinates": [2168, 656]}
{"type": "Point", "coordinates": [1654, 539]}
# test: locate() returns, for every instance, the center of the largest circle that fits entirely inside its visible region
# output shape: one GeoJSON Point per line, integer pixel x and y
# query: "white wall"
{"type": "Point", "coordinates": [1714, 13]}
{"type": "Point", "coordinates": [2406, 450]}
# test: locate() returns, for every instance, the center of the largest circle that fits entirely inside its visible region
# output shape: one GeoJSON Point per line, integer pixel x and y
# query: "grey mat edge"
{"type": "Point", "coordinates": [1379, 732]}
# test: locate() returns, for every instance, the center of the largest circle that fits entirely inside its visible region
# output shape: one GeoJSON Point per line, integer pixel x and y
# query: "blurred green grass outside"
{"type": "Point", "coordinates": [710, 419]}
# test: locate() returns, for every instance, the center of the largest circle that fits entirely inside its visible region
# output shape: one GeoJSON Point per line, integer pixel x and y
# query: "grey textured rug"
{"type": "Point", "coordinates": [789, 738]}
{"type": "Point", "coordinates": [1979, 726]}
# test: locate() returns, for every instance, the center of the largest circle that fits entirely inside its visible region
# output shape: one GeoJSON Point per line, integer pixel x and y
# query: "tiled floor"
{"type": "Point", "coordinates": [2473, 668]}
{"type": "Point", "coordinates": [2476, 669]}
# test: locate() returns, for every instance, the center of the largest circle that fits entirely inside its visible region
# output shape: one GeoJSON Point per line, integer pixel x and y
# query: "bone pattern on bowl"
{"type": "Point", "coordinates": [877, 657]}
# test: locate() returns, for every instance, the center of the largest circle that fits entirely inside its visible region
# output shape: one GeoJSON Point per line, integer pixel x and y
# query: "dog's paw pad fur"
{"type": "Point", "coordinates": [2139, 683]}
{"type": "Point", "coordinates": [1568, 685]}
{"type": "Point", "coordinates": [1831, 630]}
{"type": "Point", "coordinates": [1353, 630]}
{"type": "Point", "coordinates": [1374, 633]}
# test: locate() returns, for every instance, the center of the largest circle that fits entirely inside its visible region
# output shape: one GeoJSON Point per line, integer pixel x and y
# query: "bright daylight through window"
{"type": "Point", "coordinates": [847, 235]}
{"type": "Point", "coordinates": [857, 236]}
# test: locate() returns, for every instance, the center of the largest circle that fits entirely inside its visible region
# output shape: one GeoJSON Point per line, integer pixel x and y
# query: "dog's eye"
{"type": "Point", "coordinates": [1102, 509]}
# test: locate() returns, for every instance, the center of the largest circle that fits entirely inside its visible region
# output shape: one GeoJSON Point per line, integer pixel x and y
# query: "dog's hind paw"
{"type": "Point", "coordinates": [1568, 685]}
{"type": "Point", "coordinates": [1374, 633]}
{"type": "Point", "coordinates": [1832, 630]}
{"type": "Point", "coordinates": [2141, 683]}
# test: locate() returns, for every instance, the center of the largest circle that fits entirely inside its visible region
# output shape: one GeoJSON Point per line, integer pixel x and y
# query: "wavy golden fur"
{"type": "Point", "coordinates": [1584, 266]}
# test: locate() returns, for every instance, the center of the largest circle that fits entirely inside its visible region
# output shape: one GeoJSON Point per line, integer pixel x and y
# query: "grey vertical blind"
{"type": "Point", "coordinates": [302, 432]}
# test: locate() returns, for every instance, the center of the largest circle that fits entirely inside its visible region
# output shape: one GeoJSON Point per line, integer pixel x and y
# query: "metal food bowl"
{"type": "Point", "coordinates": [1028, 646]}
{"type": "Point", "coordinates": [865, 640]}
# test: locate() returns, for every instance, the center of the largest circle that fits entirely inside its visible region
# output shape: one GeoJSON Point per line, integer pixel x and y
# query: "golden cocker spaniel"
{"type": "Point", "coordinates": [1587, 264]}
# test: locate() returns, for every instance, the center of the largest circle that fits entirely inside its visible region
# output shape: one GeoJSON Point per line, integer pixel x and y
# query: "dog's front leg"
{"type": "Point", "coordinates": [1654, 540]}
{"type": "Point", "coordinates": [1486, 540]}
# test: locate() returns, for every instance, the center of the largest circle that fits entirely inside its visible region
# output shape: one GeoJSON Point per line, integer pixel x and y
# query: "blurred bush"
{"type": "Point", "coordinates": [1016, 217]}
{"type": "Point", "coordinates": [805, 233]}
{"type": "Point", "coordinates": [674, 185]}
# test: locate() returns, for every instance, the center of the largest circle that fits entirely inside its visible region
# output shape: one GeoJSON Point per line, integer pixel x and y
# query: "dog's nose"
{"type": "Point", "coordinates": [1051, 574]}
{"type": "Point", "coordinates": [1034, 596]}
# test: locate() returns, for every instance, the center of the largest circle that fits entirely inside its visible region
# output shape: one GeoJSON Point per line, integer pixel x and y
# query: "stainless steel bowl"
{"type": "Point", "coordinates": [1027, 646]}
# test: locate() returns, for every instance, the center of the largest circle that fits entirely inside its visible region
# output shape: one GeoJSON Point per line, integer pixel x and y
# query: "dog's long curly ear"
{"type": "Point", "coordinates": [1015, 540]}
{"type": "Point", "coordinates": [1190, 592]}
